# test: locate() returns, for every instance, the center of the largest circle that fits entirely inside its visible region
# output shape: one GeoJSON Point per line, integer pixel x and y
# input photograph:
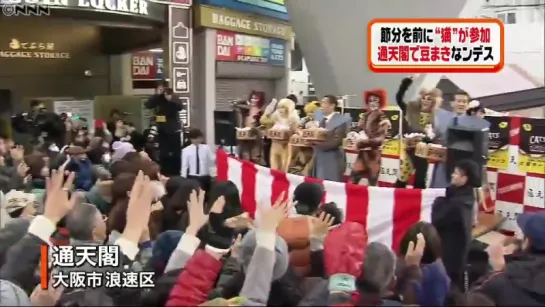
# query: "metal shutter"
{"type": "Point", "coordinates": [228, 90]}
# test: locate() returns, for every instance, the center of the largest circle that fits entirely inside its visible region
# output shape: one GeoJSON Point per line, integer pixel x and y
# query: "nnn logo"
{"type": "Point", "coordinates": [9, 10]}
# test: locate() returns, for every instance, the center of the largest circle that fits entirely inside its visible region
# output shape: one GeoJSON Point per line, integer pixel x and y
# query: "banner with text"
{"type": "Point", "coordinates": [532, 145]}
{"type": "Point", "coordinates": [435, 45]}
{"type": "Point", "coordinates": [498, 144]}
{"type": "Point", "coordinates": [236, 47]}
{"type": "Point", "coordinates": [147, 66]}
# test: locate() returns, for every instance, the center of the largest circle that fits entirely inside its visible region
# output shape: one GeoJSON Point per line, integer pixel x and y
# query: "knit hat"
{"type": "Point", "coordinates": [12, 295]}
{"type": "Point", "coordinates": [120, 150]}
{"type": "Point", "coordinates": [248, 246]}
{"type": "Point", "coordinates": [308, 196]}
{"type": "Point", "coordinates": [15, 200]}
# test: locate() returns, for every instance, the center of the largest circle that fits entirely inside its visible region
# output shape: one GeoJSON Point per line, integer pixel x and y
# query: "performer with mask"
{"type": "Point", "coordinates": [301, 161]}
{"type": "Point", "coordinates": [248, 114]}
{"type": "Point", "coordinates": [285, 118]}
{"type": "Point", "coordinates": [419, 117]}
{"type": "Point", "coordinates": [329, 160]}
{"type": "Point", "coordinates": [372, 127]}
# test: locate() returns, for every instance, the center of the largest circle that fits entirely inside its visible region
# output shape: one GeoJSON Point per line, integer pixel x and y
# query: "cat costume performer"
{"type": "Point", "coordinates": [418, 117]}
{"type": "Point", "coordinates": [248, 116]}
{"type": "Point", "coordinates": [372, 127]}
{"type": "Point", "coordinates": [301, 162]}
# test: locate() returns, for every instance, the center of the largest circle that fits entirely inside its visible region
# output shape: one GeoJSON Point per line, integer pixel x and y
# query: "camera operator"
{"type": "Point", "coordinates": [167, 108]}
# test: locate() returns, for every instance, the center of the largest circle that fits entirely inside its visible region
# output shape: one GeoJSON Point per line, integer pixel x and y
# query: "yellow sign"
{"type": "Point", "coordinates": [532, 146]}
{"type": "Point", "coordinates": [218, 18]}
{"type": "Point", "coordinates": [32, 50]}
{"type": "Point", "coordinates": [392, 146]}
{"type": "Point", "coordinates": [498, 159]}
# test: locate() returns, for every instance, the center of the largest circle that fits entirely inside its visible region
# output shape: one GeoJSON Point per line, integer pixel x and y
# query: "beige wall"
{"type": "Point", "coordinates": [538, 112]}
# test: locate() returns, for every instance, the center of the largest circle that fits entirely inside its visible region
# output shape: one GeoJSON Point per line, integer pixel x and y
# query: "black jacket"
{"type": "Point", "coordinates": [452, 216]}
{"type": "Point", "coordinates": [169, 109]}
{"type": "Point", "coordinates": [522, 283]}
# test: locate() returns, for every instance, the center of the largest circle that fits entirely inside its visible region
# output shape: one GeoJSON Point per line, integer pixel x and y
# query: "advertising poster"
{"type": "Point", "coordinates": [392, 146]}
{"type": "Point", "coordinates": [147, 66]}
{"type": "Point", "coordinates": [498, 145]}
{"type": "Point", "coordinates": [236, 47]}
{"type": "Point", "coordinates": [532, 145]}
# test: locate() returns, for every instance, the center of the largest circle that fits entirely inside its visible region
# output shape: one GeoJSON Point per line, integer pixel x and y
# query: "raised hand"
{"type": "Point", "coordinates": [235, 248]}
{"type": "Point", "coordinates": [319, 226]}
{"type": "Point", "coordinates": [415, 252]}
{"type": "Point", "coordinates": [271, 217]}
{"type": "Point", "coordinates": [242, 221]}
{"type": "Point", "coordinates": [139, 207]}
{"type": "Point", "coordinates": [58, 202]}
{"type": "Point", "coordinates": [49, 297]}
{"type": "Point", "coordinates": [22, 169]}
{"type": "Point", "coordinates": [197, 217]}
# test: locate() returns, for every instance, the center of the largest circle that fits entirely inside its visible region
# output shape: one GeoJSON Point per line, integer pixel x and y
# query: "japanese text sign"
{"type": "Point", "coordinates": [435, 45]}
{"type": "Point", "coordinates": [235, 47]}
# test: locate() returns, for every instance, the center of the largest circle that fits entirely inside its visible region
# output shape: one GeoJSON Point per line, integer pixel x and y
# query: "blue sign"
{"type": "Point", "coordinates": [269, 8]}
{"type": "Point", "coordinates": [277, 52]}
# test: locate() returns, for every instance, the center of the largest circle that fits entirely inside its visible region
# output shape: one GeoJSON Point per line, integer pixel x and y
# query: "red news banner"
{"type": "Point", "coordinates": [435, 45]}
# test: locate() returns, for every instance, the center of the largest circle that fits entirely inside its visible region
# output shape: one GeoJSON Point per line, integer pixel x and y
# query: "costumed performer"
{"type": "Point", "coordinates": [249, 113]}
{"type": "Point", "coordinates": [285, 118]}
{"type": "Point", "coordinates": [370, 136]}
{"type": "Point", "coordinates": [329, 159]}
{"type": "Point", "coordinates": [418, 119]}
{"type": "Point", "coordinates": [301, 162]}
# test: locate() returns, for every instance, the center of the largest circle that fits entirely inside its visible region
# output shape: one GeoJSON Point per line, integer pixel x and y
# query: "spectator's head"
{"type": "Point", "coordinates": [308, 196]}
{"type": "Point", "coordinates": [175, 213]}
{"type": "Point", "coordinates": [153, 171]}
{"type": "Point", "coordinates": [378, 269]}
{"type": "Point", "coordinates": [19, 204]}
{"type": "Point", "coordinates": [36, 105]}
{"type": "Point", "coordinates": [121, 188]}
{"type": "Point", "coordinates": [120, 150]}
{"type": "Point", "coordinates": [248, 246]}
{"type": "Point", "coordinates": [122, 167]}
{"type": "Point", "coordinates": [466, 173]}
{"type": "Point", "coordinates": [160, 87]}
{"type": "Point", "coordinates": [333, 211]}
{"type": "Point", "coordinates": [132, 157]}
{"type": "Point", "coordinates": [195, 136]}
{"type": "Point", "coordinates": [37, 167]}
{"type": "Point", "coordinates": [231, 194]}
{"type": "Point", "coordinates": [532, 226]}
{"type": "Point", "coordinates": [328, 104]}
{"type": "Point", "coordinates": [98, 151]}
{"type": "Point", "coordinates": [86, 223]}
{"type": "Point", "coordinates": [77, 153]}
{"type": "Point", "coordinates": [432, 251]}
{"type": "Point", "coordinates": [87, 297]}
{"type": "Point", "coordinates": [116, 114]}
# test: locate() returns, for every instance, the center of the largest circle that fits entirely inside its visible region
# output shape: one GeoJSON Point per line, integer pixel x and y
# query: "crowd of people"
{"type": "Point", "coordinates": [203, 249]}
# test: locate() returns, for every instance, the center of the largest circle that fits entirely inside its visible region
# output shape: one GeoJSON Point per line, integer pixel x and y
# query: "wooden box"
{"type": "Point", "coordinates": [297, 140]}
{"type": "Point", "coordinates": [412, 142]}
{"type": "Point", "coordinates": [431, 152]}
{"type": "Point", "coordinates": [246, 135]}
{"type": "Point", "coordinates": [315, 134]}
{"type": "Point", "coordinates": [280, 135]}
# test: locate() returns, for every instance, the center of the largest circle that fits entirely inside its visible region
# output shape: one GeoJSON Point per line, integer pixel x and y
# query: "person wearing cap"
{"type": "Point", "coordinates": [520, 281]}
{"type": "Point", "coordinates": [19, 204]}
